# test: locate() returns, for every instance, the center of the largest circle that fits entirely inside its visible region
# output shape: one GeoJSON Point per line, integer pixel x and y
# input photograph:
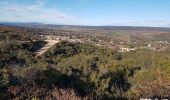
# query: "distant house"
{"type": "Point", "coordinates": [149, 45]}
{"type": "Point", "coordinates": [123, 49]}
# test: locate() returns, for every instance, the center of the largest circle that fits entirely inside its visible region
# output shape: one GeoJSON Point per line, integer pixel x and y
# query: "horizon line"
{"type": "Point", "coordinates": [13, 22]}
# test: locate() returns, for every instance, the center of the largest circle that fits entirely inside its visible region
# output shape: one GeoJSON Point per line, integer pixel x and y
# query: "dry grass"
{"type": "Point", "coordinates": [31, 91]}
{"type": "Point", "coordinates": [155, 89]}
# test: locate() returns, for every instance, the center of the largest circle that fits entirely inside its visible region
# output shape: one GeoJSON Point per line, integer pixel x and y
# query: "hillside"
{"type": "Point", "coordinates": [82, 71]}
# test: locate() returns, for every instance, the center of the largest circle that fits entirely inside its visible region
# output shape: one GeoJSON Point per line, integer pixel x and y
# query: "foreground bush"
{"type": "Point", "coordinates": [155, 89]}
{"type": "Point", "coordinates": [30, 90]}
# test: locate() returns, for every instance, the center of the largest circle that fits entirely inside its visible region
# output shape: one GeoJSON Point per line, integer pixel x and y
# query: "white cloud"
{"type": "Point", "coordinates": [36, 12]}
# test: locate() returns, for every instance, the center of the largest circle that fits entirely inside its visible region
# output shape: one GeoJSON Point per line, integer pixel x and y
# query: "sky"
{"type": "Point", "coordinates": [155, 13]}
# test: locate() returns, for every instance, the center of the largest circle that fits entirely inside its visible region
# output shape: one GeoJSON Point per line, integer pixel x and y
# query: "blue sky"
{"type": "Point", "coordinates": [88, 12]}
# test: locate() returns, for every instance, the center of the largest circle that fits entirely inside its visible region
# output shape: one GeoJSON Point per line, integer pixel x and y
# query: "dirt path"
{"type": "Point", "coordinates": [49, 44]}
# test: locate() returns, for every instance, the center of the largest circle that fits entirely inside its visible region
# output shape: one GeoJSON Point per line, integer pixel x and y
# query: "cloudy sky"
{"type": "Point", "coordinates": [88, 12]}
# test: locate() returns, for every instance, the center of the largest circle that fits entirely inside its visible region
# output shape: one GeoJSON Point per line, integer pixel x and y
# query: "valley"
{"type": "Point", "coordinates": [84, 64]}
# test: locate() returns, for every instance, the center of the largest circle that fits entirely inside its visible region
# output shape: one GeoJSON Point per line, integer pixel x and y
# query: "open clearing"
{"type": "Point", "coordinates": [49, 44]}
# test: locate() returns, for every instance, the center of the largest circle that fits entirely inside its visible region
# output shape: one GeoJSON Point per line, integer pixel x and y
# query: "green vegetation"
{"type": "Point", "coordinates": [81, 71]}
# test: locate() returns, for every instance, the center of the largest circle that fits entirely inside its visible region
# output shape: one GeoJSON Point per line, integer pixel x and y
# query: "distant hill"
{"type": "Point", "coordinates": [74, 27]}
{"type": "Point", "coordinates": [30, 24]}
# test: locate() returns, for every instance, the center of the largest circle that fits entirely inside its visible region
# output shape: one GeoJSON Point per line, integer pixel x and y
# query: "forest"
{"type": "Point", "coordinates": [79, 71]}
